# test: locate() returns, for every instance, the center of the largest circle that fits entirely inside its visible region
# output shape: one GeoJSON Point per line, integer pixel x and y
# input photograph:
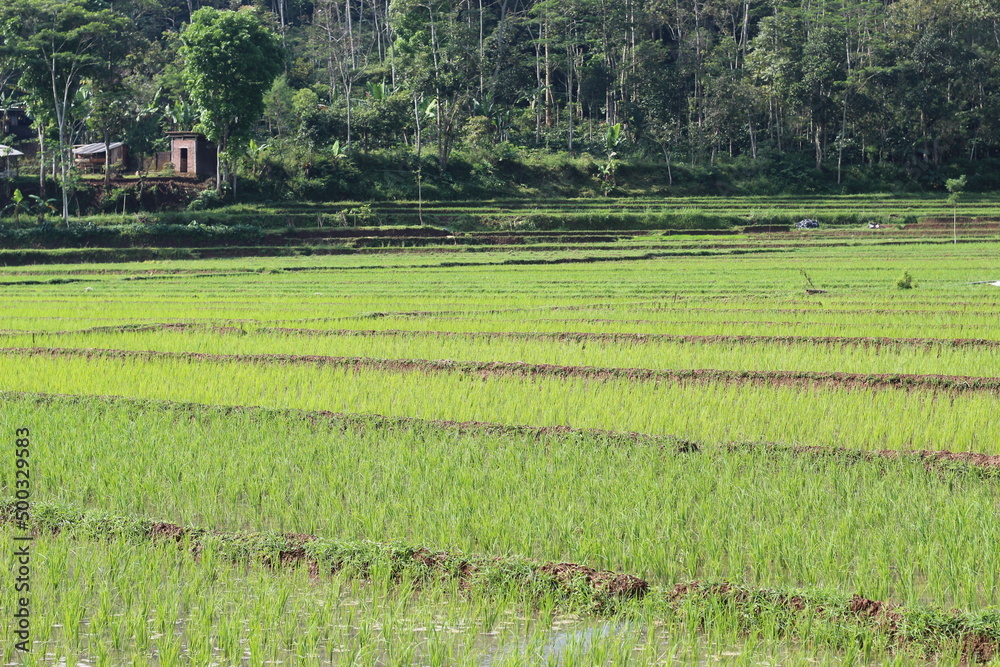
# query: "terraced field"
{"type": "Point", "coordinates": [822, 205]}
{"type": "Point", "coordinates": [590, 455]}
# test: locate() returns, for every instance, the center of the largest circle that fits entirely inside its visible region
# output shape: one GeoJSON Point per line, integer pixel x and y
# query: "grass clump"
{"type": "Point", "coordinates": [906, 281]}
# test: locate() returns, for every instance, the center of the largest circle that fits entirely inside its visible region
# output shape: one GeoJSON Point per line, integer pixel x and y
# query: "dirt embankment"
{"type": "Point", "coordinates": [362, 421]}
{"type": "Point", "coordinates": [603, 590]}
{"type": "Point", "coordinates": [919, 629]}
{"type": "Point", "coordinates": [928, 630]}
{"type": "Point", "coordinates": [639, 338]}
{"type": "Point", "coordinates": [931, 459]}
{"type": "Point", "coordinates": [562, 336]}
{"type": "Point", "coordinates": [487, 369]}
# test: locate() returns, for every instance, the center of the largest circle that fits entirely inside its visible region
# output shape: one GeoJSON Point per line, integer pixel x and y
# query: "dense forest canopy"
{"type": "Point", "coordinates": [829, 85]}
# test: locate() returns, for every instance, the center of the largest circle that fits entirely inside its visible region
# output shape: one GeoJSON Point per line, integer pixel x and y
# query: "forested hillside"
{"type": "Point", "coordinates": [485, 96]}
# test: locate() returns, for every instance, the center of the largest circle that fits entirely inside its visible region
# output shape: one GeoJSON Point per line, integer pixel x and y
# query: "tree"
{"type": "Point", "coordinates": [109, 110]}
{"type": "Point", "coordinates": [231, 58]}
{"type": "Point", "coordinates": [58, 43]}
{"type": "Point", "coordinates": [435, 53]}
{"type": "Point", "coordinates": [339, 42]}
{"type": "Point", "coordinates": [111, 102]}
{"type": "Point", "coordinates": [956, 188]}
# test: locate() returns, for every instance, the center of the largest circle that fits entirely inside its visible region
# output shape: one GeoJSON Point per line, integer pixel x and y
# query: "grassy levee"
{"type": "Point", "coordinates": [716, 411]}
{"type": "Point", "coordinates": [597, 212]}
{"type": "Point", "coordinates": [570, 254]}
{"type": "Point", "coordinates": [813, 616]}
{"type": "Point", "coordinates": [156, 604]}
{"type": "Point", "coordinates": [569, 585]}
{"type": "Point", "coordinates": [862, 356]}
{"type": "Point", "coordinates": [762, 517]}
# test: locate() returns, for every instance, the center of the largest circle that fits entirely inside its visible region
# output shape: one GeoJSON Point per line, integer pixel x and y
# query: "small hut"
{"type": "Point", "coordinates": [90, 157]}
{"type": "Point", "coordinates": [192, 154]}
{"type": "Point", "coordinates": [8, 161]}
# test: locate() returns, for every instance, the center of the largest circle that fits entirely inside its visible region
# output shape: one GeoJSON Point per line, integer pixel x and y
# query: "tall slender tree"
{"type": "Point", "coordinates": [58, 43]}
{"type": "Point", "coordinates": [231, 58]}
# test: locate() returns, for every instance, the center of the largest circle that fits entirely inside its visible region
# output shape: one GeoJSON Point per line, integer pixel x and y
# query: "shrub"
{"type": "Point", "coordinates": [206, 199]}
{"type": "Point", "coordinates": [906, 281]}
{"type": "Point", "coordinates": [136, 234]}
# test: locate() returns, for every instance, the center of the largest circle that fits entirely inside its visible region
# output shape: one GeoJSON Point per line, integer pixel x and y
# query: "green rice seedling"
{"type": "Point", "coordinates": [922, 356]}
{"type": "Point", "coordinates": [774, 517]}
{"type": "Point", "coordinates": [879, 418]}
{"type": "Point", "coordinates": [767, 518]}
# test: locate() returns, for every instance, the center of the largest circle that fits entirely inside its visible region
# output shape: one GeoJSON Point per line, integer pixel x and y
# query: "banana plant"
{"type": "Point", "coordinates": [16, 205]}
{"type": "Point", "coordinates": [42, 207]}
{"type": "Point", "coordinates": [182, 114]}
{"type": "Point", "coordinates": [612, 137]}
{"type": "Point", "coordinates": [254, 156]}
{"type": "Point", "coordinates": [377, 91]}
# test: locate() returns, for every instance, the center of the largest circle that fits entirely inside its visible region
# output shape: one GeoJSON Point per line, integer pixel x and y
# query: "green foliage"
{"type": "Point", "coordinates": [612, 137]}
{"type": "Point", "coordinates": [862, 108]}
{"type": "Point", "coordinates": [129, 235]}
{"type": "Point", "coordinates": [206, 199]}
{"type": "Point", "coordinates": [231, 59]}
{"type": "Point", "coordinates": [17, 205]}
{"type": "Point", "coordinates": [906, 281]}
{"type": "Point", "coordinates": [956, 188]}
{"type": "Point", "coordinates": [55, 45]}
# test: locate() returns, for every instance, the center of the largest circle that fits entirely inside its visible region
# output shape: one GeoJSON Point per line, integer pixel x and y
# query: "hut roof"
{"type": "Point", "coordinates": [7, 151]}
{"type": "Point", "coordinates": [94, 149]}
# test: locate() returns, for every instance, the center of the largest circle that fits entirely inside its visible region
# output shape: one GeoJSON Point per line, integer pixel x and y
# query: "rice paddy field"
{"type": "Point", "coordinates": [830, 206]}
{"type": "Point", "coordinates": [680, 450]}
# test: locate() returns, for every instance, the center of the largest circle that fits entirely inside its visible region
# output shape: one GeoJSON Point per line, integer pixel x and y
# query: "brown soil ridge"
{"type": "Point", "coordinates": [892, 619]}
{"type": "Point", "coordinates": [931, 458]}
{"type": "Point", "coordinates": [293, 549]}
{"type": "Point", "coordinates": [667, 442]}
{"type": "Point", "coordinates": [562, 336]}
{"type": "Point", "coordinates": [763, 323]}
{"type": "Point", "coordinates": [372, 420]}
{"type": "Point", "coordinates": [486, 369]}
{"type": "Point", "coordinates": [822, 310]}
{"type": "Point", "coordinates": [604, 589]}
{"type": "Point", "coordinates": [624, 337]}
{"type": "Point", "coordinates": [615, 583]}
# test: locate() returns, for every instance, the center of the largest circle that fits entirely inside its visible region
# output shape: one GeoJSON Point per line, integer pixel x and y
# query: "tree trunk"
{"type": "Point", "coordinates": [348, 88]}
{"type": "Point", "coordinates": [41, 161]}
{"type": "Point", "coordinates": [548, 77]}
{"type": "Point", "coordinates": [569, 95]}
{"type": "Point", "coordinates": [817, 135]}
{"type": "Point", "coordinates": [481, 50]}
{"type": "Point", "coordinates": [107, 162]}
{"type": "Point", "coordinates": [420, 193]}
{"type": "Point", "coordinates": [219, 163]}
{"type": "Point", "coordinates": [538, 102]}
{"type": "Point", "coordinates": [63, 165]}
{"type": "Point", "coordinates": [64, 177]}
{"type": "Point", "coordinates": [666, 156]}
{"type": "Point", "coordinates": [350, 31]}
